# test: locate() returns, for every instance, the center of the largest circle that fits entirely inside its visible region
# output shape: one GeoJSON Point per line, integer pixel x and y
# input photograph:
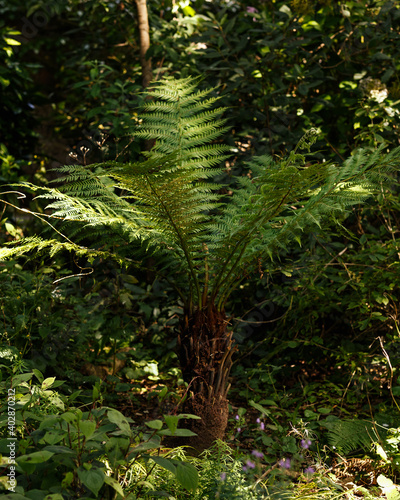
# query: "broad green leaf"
{"type": "Point", "coordinates": [154, 424]}
{"type": "Point", "coordinates": [178, 433]}
{"type": "Point", "coordinates": [392, 494]}
{"type": "Point", "coordinates": [54, 436]}
{"type": "Point", "coordinates": [166, 463]}
{"type": "Point", "coordinates": [172, 422]}
{"type": "Point", "coordinates": [93, 479]}
{"type": "Point", "coordinates": [87, 427]}
{"type": "Point", "coordinates": [48, 382]}
{"type": "Point", "coordinates": [268, 402]}
{"type": "Point", "coordinates": [149, 445]}
{"type": "Point", "coordinates": [38, 374]}
{"type": "Point", "coordinates": [117, 418]}
{"type": "Point", "coordinates": [69, 417]}
{"type": "Point", "coordinates": [389, 489]}
{"type": "Point", "coordinates": [15, 496]}
{"type": "Point", "coordinates": [188, 415]}
{"type": "Point", "coordinates": [116, 448]}
{"type": "Point", "coordinates": [59, 449]}
{"type": "Point", "coordinates": [19, 379]}
{"type": "Point", "coordinates": [49, 422]}
{"type": "Point", "coordinates": [260, 408]}
{"type": "Point", "coordinates": [68, 479]}
{"type": "Point", "coordinates": [187, 475]}
{"type": "Point", "coordinates": [37, 457]}
{"type": "Point", "coordinates": [114, 484]}
{"type": "Point", "coordinates": [310, 414]}
{"type": "Point", "coordinates": [189, 11]}
{"type": "Point", "coordinates": [74, 395]}
{"type": "Point", "coordinates": [324, 411]}
{"type": "Point", "coordinates": [12, 41]}
{"type": "Point", "coordinates": [384, 481]}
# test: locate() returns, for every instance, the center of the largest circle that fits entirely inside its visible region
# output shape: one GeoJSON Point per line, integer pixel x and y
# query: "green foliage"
{"type": "Point", "coordinates": [388, 449]}
{"type": "Point", "coordinates": [69, 451]}
{"type": "Point", "coordinates": [290, 66]}
{"type": "Point", "coordinates": [222, 476]}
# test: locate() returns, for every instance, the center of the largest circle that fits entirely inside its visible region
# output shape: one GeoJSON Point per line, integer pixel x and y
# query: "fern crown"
{"type": "Point", "coordinates": [167, 204]}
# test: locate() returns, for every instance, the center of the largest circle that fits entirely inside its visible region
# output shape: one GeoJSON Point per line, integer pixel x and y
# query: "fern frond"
{"type": "Point", "coordinates": [283, 200]}
{"type": "Point", "coordinates": [52, 247]}
{"type": "Point", "coordinates": [162, 203]}
{"type": "Point", "coordinates": [349, 435]}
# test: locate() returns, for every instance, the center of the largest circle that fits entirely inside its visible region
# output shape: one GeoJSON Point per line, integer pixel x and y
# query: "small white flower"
{"type": "Point", "coordinates": [374, 89]}
{"type": "Point", "coordinates": [390, 111]}
{"type": "Point", "coordinates": [378, 94]}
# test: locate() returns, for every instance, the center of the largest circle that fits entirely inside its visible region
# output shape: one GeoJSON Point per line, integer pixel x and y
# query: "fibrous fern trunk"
{"type": "Point", "coordinates": [205, 349]}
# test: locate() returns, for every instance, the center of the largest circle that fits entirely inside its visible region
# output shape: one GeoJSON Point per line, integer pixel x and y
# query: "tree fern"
{"type": "Point", "coordinates": [167, 205]}
{"type": "Point", "coordinates": [165, 202]}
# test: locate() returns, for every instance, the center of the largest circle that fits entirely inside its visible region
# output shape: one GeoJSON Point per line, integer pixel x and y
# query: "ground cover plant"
{"type": "Point", "coordinates": [312, 405]}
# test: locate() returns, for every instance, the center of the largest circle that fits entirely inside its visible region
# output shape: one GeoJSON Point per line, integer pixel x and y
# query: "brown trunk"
{"type": "Point", "coordinates": [205, 349]}
{"type": "Point", "coordinates": [144, 34]}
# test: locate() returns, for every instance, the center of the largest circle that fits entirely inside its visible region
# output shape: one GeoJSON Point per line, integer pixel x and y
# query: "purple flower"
{"type": "Point", "coordinates": [262, 425]}
{"type": "Point", "coordinates": [257, 454]}
{"type": "Point", "coordinates": [250, 464]}
{"type": "Point", "coordinates": [309, 470]}
{"type": "Point", "coordinates": [285, 463]}
{"type": "Point", "coordinates": [305, 443]}
{"type": "Point", "coordinates": [237, 417]}
{"type": "Point", "coordinates": [223, 476]}
{"type": "Point", "coordinates": [239, 429]}
{"type": "Point", "coordinates": [251, 10]}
